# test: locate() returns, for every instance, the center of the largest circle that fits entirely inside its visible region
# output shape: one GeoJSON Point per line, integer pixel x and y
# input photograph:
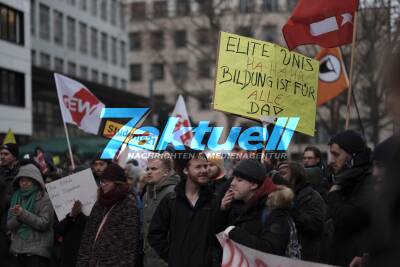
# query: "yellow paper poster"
{"type": "Point", "coordinates": [256, 78]}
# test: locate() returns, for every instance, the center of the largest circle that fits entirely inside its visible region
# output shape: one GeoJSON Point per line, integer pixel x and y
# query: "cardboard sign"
{"type": "Point", "coordinates": [78, 186]}
{"type": "Point", "coordinates": [256, 78]}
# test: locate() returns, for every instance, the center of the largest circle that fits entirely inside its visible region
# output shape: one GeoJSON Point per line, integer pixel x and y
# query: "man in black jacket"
{"type": "Point", "coordinates": [181, 230]}
{"type": "Point", "coordinates": [349, 200]}
{"type": "Point", "coordinates": [9, 166]}
{"type": "Point", "coordinates": [308, 211]}
{"type": "Point", "coordinates": [257, 227]}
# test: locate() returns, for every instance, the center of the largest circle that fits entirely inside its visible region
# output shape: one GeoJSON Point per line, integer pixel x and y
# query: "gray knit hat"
{"type": "Point", "coordinates": [250, 170]}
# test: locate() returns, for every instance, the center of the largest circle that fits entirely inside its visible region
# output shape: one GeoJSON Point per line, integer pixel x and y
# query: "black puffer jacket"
{"type": "Point", "coordinates": [350, 209]}
{"type": "Point", "coordinates": [183, 235]}
{"type": "Point", "coordinates": [116, 244]}
{"type": "Point", "coordinates": [308, 213]}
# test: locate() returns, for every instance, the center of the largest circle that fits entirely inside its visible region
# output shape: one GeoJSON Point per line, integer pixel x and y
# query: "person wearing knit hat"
{"type": "Point", "coordinates": [113, 224]}
{"type": "Point", "coordinates": [381, 156]}
{"type": "Point", "coordinates": [216, 171]}
{"type": "Point", "coordinates": [98, 166]}
{"type": "Point", "coordinates": [9, 165]}
{"type": "Point", "coordinates": [259, 227]}
{"type": "Point", "coordinates": [350, 199]}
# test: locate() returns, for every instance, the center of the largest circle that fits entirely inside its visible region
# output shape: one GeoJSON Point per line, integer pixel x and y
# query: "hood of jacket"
{"type": "Point", "coordinates": [30, 171]}
{"type": "Point", "coordinates": [173, 179]}
{"type": "Point", "coordinates": [282, 198]}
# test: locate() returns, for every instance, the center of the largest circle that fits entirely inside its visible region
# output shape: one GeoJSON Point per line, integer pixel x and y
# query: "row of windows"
{"type": "Point", "coordinates": [104, 47]}
{"type": "Point", "coordinates": [111, 10]}
{"type": "Point", "coordinates": [72, 70]}
{"type": "Point", "coordinates": [12, 88]}
{"type": "Point", "coordinates": [203, 37]}
{"type": "Point", "coordinates": [180, 71]}
{"type": "Point", "coordinates": [11, 25]}
{"type": "Point", "coordinates": [160, 9]}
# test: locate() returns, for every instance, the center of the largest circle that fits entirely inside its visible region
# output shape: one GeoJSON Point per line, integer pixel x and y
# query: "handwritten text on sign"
{"type": "Point", "coordinates": [256, 78]}
{"type": "Point", "coordinates": [79, 186]}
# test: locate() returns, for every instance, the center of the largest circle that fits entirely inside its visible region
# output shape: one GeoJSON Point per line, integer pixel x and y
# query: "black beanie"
{"type": "Point", "coordinates": [250, 170]}
{"type": "Point", "coordinates": [182, 158]}
{"type": "Point", "coordinates": [98, 158]}
{"type": "Point", "coordinates": [383, 151]}
{"type": "Point", "coordinates": [350, 141]}
{"type": "Point", "coordinates": [114, 173]}
{"type": "Point", "coordinates": [13, 148]}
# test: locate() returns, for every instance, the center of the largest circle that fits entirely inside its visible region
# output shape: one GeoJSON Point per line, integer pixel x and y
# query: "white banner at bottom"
{"type": "Point", "coordinates": [236, 255]}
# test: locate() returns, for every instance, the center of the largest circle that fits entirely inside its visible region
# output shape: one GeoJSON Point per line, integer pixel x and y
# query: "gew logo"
{"type": "Point", "coordinates": [149, 137]}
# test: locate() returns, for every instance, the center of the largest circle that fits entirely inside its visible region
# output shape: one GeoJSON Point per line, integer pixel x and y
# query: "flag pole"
{"type": "Point", "coordinates": [69, 146]}
{"type": "Point", "coordinates": [353, 52]}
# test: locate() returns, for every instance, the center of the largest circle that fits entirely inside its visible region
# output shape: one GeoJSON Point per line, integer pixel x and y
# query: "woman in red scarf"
{"type": "Point", "coordinates": [111, 233]}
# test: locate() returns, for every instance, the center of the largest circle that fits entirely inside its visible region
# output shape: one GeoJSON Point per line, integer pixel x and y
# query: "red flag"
{"type": "Point", "coordinates": [328, 23]}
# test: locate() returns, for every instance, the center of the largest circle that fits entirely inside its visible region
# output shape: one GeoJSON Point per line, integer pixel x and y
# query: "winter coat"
{"type": "Point", "coordinates": [350, 210]}
{"type": "Point", "coordinates": [40, 239]}
{"type": "Point", "coordinates": [4, 240]}
{"type": "Point", "coordinates": [116, 244]}
{"type": "Point", "coordinates": [308, 213]}
{"type": "Point", "coordinates": [7, 177]}
{"type": "Point", "coordinates": [183, 235]}
{"type": "Point", "coordinates": [151, 199]}
{"type": "Point", "coordinates": [69, 232]}
{"type": "Point", "coordinates": [252, 229]}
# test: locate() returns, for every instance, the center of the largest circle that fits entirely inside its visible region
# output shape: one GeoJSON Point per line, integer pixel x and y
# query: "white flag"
{"type": "Point", "coordinates": [181, 112]}
{"type": "Point", "coordinates": [78, 105]}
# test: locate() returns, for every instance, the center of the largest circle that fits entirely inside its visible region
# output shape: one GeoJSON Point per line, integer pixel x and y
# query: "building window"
{"type": "Point", "coordinates": [157, 40]}
{"type": "Point", "coordinates": [160, 9]}
{"type": "Point", "coordinates": [59, 65]}
{"type": "Point", "coordinates": [180, 71]}
{"type": "Point", "coordinates": [114, 81]}
{"type": "Point", "coordinates": [123, 84]}
{"type": "Point", "coordinates": [205, 7]}
{"type": "Point", "coordinates": [138, 11]}
{"type": "Point", "coordinates": [11, 25]}
{"type": "Point", "coordinates": [270, 5]}
{"type": "Point", "coordinates": [44, 22]}
{"type": "Point", "coordinates": [45, 60]}
{"type": "Point", "coordinates": [123, 53]}
{"type": "Point", "coordinates": [113, 16]}
{"type": "Point", "coordinates": [104, 46]}
{"type": "Point", "coordinates": [71, 33]}
{"type": "Point", "coordinates": [33, 57]}
{"type": "Point", "coordinates": [95, 76]}
{"type": "Point", "coordinates": [83, 38]}
{"type": "Point", "coordinates": [122, 15]}
{"type": "Point", "coordinates": [203, 36]}
{"type": "Point", "coordinates": [135, 41]}
{"type": "Point", "coordinates": [291, 4]}
{"type": "Point", "coordinates": [58, 27]}
{"type": "Point", "coordinates": [71, 69]}
{"type": "Point", "coordinates": [245, 31]}
{"type": "Point", "coordinates": [94, 42]}
{"type": "Point", "coordinates": [12, 88]}
{"type": "Point", "coordinates": [135, 72]}
{"type": "Point", "coordinates": [33, 17]}
{"type": "Point", "coordinates": [103, 9]}
{"type": "Point", "coordinates": [83, 5]}
{"type": "Point", "coordinates": [180, 38]}
{"type": "Point", "coordinates": [157, 69]}
{"type": "Point", "coordinates": [104, 79]}
{"type": "Point", "coordinates": [94, 7]}
{"type": "Point", "coordinates": [182, 7]}
{"type": "Point", "coordinates": [270, 32]}
{"type": "Point", "coordinates": [114, 50]}
{"type": "Point", "coordinates": [83, 72]}
{"type": "Point", "coordinates": [246, 6]}
{"type": "Point", "coordinates": [204, 69]}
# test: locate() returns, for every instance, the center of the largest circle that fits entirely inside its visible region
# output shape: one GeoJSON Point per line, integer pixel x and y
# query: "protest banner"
{"type": "Point", "coordinates": [236, 255]}
{"type": "Point", "coordinates": [78, 186]}
{"type": "Point", "coordinates": [256, 78]}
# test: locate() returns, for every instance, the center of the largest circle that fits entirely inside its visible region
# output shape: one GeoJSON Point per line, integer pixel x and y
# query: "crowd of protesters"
{"type": "Point", "coordinates": [343, 211]}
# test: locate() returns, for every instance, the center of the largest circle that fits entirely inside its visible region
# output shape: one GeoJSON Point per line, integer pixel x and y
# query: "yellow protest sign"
{"type": "Point", "coordinates": [10, 138]}
{"type": "Point", "coordinates": [256, 78]}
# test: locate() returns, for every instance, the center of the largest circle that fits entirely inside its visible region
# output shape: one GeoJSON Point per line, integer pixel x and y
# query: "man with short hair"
{"type": "Point", "coordinates": [181, 230]}
{"type": "Point", "coordinates": [9, 165]}
{"type": "Point", "coordinates": [161, 180]}
{"type": "Point", "coordinates": [316, 171]}
{"type": "Point", "coordinates": [312, 157]}
{"type": "Point", "coordinates": [349, 199]}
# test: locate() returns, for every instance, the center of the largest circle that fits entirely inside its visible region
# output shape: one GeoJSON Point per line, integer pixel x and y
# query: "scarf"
{"type": "Point", "coordinates": [108, 199]}
{"type": "Point", "coordinates": [26, 198]}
